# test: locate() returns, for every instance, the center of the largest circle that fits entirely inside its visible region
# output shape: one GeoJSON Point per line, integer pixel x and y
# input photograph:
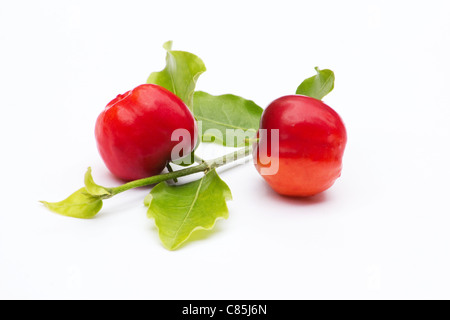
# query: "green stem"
{"type": "Point", "coordinates": [169, 168]}
{"type": "Point", "coordinates": [205, 166]}
{"type": "Point", "coordinates": [198, 159]}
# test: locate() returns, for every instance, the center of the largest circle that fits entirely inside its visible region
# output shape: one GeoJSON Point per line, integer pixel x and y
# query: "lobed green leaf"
{"type": "Point", "coordinates": [80, 204]}
{"type": "Point", "coordinates": [182, 209]}
{"type": "Point", "coordinates": [180, 74]}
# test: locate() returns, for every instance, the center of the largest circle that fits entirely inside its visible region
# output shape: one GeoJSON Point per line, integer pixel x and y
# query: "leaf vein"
{"type": "Point", "coordinates": [190, 208]}
{"type": "Point", "coordinates": [221, 123]}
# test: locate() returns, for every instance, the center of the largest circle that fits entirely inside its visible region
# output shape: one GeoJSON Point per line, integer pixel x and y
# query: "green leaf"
{"type": "Point", "coordinates": [226, 119]}
{"type": "Point", "coordinates": [93, 188]}
{"type": "Point", "coordinates": [80, 204]}
{"type": "Point", "coordinates": [180, 74]}
{"type": "Point", "coordinates": [319, 85]}
{"type": "Point", "coordinates": [180, 210]}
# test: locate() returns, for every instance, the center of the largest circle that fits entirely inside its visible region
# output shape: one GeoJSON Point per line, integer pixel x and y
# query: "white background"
{"type": "Point", "coordinates": [381, 232]}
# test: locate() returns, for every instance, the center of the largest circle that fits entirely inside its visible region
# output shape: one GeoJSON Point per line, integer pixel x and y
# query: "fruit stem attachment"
{"type": "Point", "coordinates": [205, 166]}
{"type": "Point", "coordinates": [169, 168]}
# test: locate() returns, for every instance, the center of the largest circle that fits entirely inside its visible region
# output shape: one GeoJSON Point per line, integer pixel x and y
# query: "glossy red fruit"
{"type": "Point", "coordinates": [312, 139]}
{"type": "Point", "coordinates": [134, 132]}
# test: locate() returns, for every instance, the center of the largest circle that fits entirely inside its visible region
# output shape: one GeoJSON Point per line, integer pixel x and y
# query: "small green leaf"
{"type": "Point", "coordinates": [80, 204]}
{"type": "Point", "coordinates": [180, 210]}
{"type": "Point", "coordinates": [319, 85]}
{"type": "Point", "coordinates": [180, 74]}
{"type": "Point", "coordinates": [93, 188]}
{"type": "Point", "coordinates": [227, 119]}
